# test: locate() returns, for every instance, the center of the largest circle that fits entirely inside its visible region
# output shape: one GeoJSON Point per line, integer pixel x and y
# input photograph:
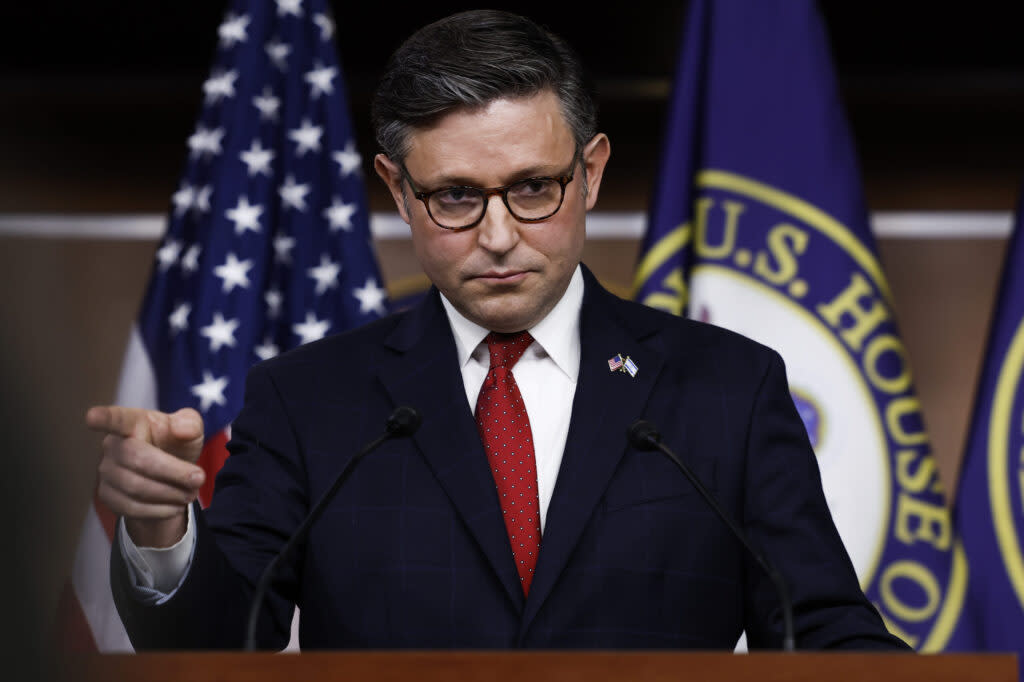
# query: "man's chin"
{"type": "Point", "coordinates": [506, 313]}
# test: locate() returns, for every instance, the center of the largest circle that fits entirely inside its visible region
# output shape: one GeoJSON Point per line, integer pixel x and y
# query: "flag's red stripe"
{"type": "Point", "coordinates": [214, 453]}
{"type": "Point", "coordinates": [73, 634]}
{"type": "Point", "coordinates": [107, 518]}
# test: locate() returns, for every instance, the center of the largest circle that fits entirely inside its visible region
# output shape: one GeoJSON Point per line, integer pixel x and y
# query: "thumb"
{"type": "Point", "coordinates": [179, 433]}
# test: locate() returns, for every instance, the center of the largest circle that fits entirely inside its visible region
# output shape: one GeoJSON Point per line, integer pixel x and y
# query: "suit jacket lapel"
{"type": "Point", "coordinates": [605, 404]}
{"type": "Point", "coordinates": [425, 374]}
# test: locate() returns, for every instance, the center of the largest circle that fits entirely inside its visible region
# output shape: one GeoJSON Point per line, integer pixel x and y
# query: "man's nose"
{"type": "Point", "coordinates": [498, 232]}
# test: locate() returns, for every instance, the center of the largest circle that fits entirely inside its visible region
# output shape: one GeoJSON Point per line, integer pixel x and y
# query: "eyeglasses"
{"type": "Point", "coordinates": [461, 207]}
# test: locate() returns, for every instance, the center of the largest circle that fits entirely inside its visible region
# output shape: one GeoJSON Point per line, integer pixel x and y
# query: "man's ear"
{"type": "Point", "coordinates": [391, 174]}
{"type": "Point", "coordinates": [595, 157]}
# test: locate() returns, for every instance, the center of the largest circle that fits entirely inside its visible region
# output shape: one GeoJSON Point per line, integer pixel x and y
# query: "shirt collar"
{"type": "Point", "coordinates": [557, 334]}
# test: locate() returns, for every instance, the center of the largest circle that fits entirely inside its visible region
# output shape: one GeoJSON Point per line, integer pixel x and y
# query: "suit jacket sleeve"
{"type": "Point", "coordinates": [260, 499]}
{"type": "Point", "coordinates": [787, 516]}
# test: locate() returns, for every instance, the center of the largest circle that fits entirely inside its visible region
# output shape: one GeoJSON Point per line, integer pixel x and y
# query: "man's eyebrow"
{"type": "Point", "coordinates": [453, 180]}
{"type": "Point", "coordinates": [521, 174]}
{"type": "Point", "coordinates": [535, 171]}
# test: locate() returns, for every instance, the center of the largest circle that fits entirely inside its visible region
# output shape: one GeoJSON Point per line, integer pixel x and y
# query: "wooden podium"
{"type": "Point", "coordinates": [557, 666]}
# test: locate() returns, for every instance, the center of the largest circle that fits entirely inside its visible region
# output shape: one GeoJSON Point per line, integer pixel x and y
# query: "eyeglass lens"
{"type": "Point", "coordinates": [529, 199]}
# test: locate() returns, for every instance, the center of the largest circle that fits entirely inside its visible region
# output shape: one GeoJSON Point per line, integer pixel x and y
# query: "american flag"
{"type": "Point", "coordinates": [267, 247]}
{"type": "Point", "coordinates": [615, 363]}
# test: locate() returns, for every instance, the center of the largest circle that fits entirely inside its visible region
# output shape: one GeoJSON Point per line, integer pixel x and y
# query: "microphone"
{"type": "Point", "coordinates": [643, 435]}
{"type": "Point", "coordinates": [401, 423]}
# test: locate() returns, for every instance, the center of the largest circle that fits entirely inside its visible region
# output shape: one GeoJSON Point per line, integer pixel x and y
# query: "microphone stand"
{"type": "Point", "coordinates": [643, 435]}
{"type": "Point", "coordinates": [401, 423]}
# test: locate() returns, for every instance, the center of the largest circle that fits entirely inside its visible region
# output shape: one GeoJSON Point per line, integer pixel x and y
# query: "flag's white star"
{"type": "Point", "coordinates": [266, 350]}
{"type": "Point", "coordinates": [179, 318]}
{"type": "Point", "coordinates": [325, 274]}
{"type": "Point", "coordinates": [293, 7]}
{"type": "Point", "coordinates": [325, 24]}
{"type": "Point", "coordinates": [189, 198]}
{"type": "Point", "coordinates": [283, 245]}
{"type": "Point", "coordinates": [201, 200]}
{"type": "Point", "coordinates": [234, 272]}
{"type": "Point", "coordinates": [211, 391]}
{"type": "Point", "coordinates": [371, 297]}
{"type": "Point", "coordinates": [257, 159]}
{"type": "Point", "coordinates": [221, 332]}
{"type": "Point", "coordinates": [219, 86]}
{"type": "Point", "coordinates": [348, 158]}
{"type": "Point", "coordinates": [319, 80]}
{"type": "Point", "coordinates": [167, 255]}
{"type": "Point", "coordinates": [267, 104]}
{"type": "Point", "coordinates": [183, 198]}
{"type": "Point", "coordinates": [274, 300]}
{"type": "Point", "coordinates": [307, 137]}
{"type": "Point", "coordinates": [232, 30]}
{"type": "Point", "coordinates": [293, 195]}
{"type": "Point", "coordinates": [278, 53]}
{"type": "Point", "coordinates": [190, 261]}
{"type": "Point", "coordinates": [244, 216]}
{"type": "Point", "coordinates": [311, 330]}
{"type": "Point", "coordinates": [205, 142]}
{"type": "Point", "coordinates": [339, 214]}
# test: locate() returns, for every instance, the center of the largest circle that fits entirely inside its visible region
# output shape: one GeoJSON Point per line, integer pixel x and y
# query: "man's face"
{"type": "Point", "coordinates": [502, 274]}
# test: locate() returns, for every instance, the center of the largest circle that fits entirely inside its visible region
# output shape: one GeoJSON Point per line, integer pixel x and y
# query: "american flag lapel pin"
{"type": "Point", "coordinates": [622, 363]}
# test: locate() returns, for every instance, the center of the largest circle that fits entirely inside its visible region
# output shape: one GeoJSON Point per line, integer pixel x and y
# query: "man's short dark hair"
{"type": "Point", "coordinates": [468, 60]}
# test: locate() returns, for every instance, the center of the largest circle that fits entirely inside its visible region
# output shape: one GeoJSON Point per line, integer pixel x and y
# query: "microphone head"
{"type": "Point", "coordinates": [403, 421]}
{"type": "Point", "coordinates": [643, 435]}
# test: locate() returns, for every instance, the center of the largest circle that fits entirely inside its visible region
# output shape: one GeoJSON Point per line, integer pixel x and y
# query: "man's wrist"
{"type": "Point", "coordinates": [157, 572]}
{"type": "Point", "coordinates": [157, 534]}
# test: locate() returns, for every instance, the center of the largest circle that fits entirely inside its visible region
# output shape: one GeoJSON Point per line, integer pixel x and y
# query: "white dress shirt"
{"type": "Point", "coordinates": [546, 375]}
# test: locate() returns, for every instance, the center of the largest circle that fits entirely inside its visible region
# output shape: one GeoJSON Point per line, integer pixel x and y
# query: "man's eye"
{"type": "Point", "coordinates": [455, 195]}
{"type": "Point", "coordinates": [531, 187]}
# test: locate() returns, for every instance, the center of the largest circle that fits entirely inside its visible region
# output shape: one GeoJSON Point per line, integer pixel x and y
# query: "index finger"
{"type": "Point", "coordinates": [128, 422]}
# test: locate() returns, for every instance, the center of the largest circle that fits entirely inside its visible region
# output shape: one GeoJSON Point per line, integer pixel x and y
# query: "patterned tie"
{"type": "Point", "coordinates": [507, 438]}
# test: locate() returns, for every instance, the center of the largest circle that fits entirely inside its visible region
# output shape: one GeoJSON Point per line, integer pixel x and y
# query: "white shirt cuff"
{"type": "Point", "coordinates": [157, 572]}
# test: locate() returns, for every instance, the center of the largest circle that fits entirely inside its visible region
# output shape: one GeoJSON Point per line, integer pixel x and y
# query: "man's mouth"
{"type": "Point", "coordinates": [502, 276]}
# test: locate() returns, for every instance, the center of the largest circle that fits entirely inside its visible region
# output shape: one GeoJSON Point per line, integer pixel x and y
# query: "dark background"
{"type": "Point", "coordinates": [99, 97]}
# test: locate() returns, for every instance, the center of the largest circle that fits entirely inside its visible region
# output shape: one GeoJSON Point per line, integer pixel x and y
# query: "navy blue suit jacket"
{"type": "Point", "coordinates": [413, 551]}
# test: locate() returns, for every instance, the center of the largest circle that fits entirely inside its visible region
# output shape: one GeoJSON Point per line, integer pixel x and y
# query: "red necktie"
{"type": "Point", "coordinates": [507, 438]}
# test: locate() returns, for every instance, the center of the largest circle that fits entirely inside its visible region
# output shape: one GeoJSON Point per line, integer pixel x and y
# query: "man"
{"type": "Point", "coordinates": [527, 521]}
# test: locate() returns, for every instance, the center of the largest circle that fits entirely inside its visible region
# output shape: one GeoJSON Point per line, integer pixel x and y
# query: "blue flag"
{"type": "Point", "coordinates": [990, 504]}
{"type": "Point", "coordinates": [759, 224]}
{"type": "Point", "coordinates": [267, 247]}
